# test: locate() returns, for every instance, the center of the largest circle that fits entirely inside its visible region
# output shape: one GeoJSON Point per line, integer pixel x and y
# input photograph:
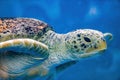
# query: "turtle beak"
{"type": "Point", "coordinates": [101, 47]}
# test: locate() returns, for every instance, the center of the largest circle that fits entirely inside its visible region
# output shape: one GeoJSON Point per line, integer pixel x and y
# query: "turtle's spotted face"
{"type": "Point", "coordinates": [86, 42]}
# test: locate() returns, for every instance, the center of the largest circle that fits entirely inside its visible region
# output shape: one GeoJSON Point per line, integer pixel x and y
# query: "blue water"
{"type": "Point", "coordinates": [69, 15]}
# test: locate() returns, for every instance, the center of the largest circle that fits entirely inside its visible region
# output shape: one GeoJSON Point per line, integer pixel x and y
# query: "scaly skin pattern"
{"type": "Point", "coordinates": [61, 47]}
{"type": "Point", "coordinates": [68, 47]}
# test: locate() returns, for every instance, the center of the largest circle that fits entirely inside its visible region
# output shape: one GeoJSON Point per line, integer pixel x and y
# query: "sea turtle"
{"type": "Point", "coordinates": [30, 47]}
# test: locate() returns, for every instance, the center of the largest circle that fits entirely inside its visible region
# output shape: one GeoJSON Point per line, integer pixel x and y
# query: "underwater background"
{"type": "Point", "coordinates": [69, 15]}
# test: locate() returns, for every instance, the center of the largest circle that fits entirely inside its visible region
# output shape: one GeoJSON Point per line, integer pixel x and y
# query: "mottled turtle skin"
{"type": "Point", "coordinates": [30, 47]}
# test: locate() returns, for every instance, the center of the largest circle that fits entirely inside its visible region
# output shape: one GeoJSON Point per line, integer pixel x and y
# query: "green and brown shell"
{"type": "Point", "coordinates": [11, 28]}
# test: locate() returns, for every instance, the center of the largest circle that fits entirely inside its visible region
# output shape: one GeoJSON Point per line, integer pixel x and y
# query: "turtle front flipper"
{"type": "Point", "coordinates": [19, 55]}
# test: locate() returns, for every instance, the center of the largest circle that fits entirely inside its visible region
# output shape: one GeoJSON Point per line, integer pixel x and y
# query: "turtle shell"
{"type": "Point", "coordinates": [22, 53]}
{"type": "Point", "coordinates": [11, 28]}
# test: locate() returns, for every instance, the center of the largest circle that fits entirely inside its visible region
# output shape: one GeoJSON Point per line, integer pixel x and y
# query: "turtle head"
{"type": "Point", "coordinates": [85, 42]}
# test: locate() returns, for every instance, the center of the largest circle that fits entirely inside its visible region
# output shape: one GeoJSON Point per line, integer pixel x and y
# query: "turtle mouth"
{"type": "Point", "coordinates": [102, 46]}
{"type": "Point", "coordinates": [102, 51]}
{"type": "Point", "coordinates": [91, 51]}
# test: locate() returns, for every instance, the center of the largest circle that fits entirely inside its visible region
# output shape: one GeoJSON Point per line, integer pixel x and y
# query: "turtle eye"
{"type": "Point", "coordinates": [87, 39]}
